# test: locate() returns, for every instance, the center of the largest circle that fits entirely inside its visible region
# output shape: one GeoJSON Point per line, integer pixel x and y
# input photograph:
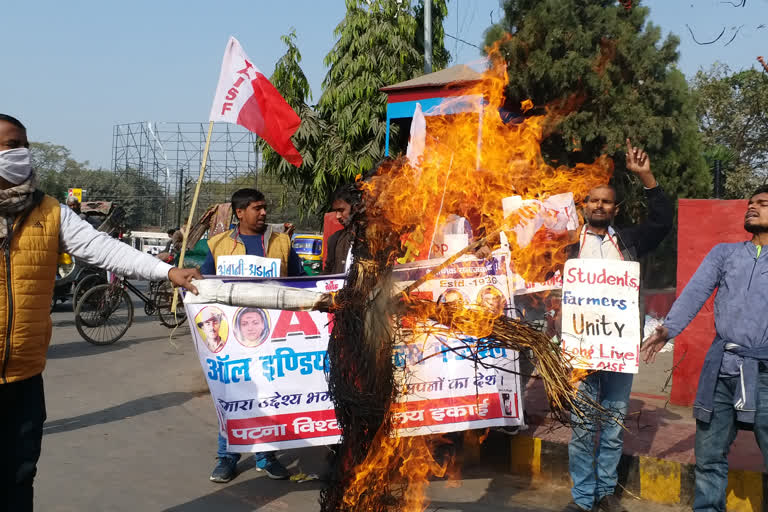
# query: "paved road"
{"type": "Point", "coordinates": [131, 428]}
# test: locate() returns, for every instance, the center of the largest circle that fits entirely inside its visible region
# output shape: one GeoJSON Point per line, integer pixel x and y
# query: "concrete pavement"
{"type": "Point", "coordinates": [131, 427]}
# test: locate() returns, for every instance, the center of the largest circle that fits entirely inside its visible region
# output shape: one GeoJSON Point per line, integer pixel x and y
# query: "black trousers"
{"type": "Point", "coordinates": [22, 414]}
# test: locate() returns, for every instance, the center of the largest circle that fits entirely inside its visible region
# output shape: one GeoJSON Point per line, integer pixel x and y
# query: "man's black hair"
{"type": "Point", "coordinates": [15, 122]}
{"type": "Point", "coordinates": [762, 189]}
{"type": "Point", "coordinates": [245, 196]}
{"type": "Point", "coordinates": [608, 186]}
{"type": "Point", "coordinates": [347, 193]}
{"type": "Point", "coordinates": [171, 232]}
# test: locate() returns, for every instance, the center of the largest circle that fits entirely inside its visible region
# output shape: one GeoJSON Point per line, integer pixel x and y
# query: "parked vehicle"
{"type": "Point", "coordinates": [72, 277]}
{"type": "Point", "coordinates": [309, 247]}
{"type": "Point", "coordinates": [150, 242]}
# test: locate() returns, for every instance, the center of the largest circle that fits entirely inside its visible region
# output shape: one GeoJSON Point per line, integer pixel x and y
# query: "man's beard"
{"type": "Point", "coordinates": [755, 229]}
{"type": "Point", "coordinates": [599, 223]}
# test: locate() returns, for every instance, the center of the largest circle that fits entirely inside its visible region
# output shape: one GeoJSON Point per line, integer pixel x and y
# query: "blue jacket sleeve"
{"type": "Point", "coordinates": [696, 292]}
{"type": "Point", "coordinates": [208, 268]}
{"type": "Point", "coordinates": [295, 267]}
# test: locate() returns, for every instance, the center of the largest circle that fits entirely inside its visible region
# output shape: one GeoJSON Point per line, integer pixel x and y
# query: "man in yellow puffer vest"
{"type": "Point", "coordinates": [34, 229]}
{"type": "Point", "coordinates": [252, 236]}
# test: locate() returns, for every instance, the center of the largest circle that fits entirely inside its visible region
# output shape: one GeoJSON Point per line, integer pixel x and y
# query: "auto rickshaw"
{"type": "Point", "coordinates": [309, 248]}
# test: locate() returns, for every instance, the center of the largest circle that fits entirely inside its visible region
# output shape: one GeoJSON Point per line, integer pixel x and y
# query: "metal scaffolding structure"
{"type": "Point", "coordinates": [170, 154]}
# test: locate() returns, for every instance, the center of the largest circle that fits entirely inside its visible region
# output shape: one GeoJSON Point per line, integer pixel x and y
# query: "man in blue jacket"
{"type": "Point", "coordinates": [733, 386]}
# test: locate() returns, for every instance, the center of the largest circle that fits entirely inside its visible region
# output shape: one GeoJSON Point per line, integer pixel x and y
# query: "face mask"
{"type": "Point", "coordinates": [15, 165]}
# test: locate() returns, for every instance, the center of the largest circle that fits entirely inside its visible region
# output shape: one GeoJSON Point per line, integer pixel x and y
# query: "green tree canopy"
{"type": "Point", "coordinates": [612, 64]}
{"type": "Point", "coordinates": [608, 69]}
{"type": "Point", "coordinates": [378, 44]}
{"type": "Point", "coordinates": [733, 117]}
{"type": "Point", "coordinates": [57, 171]}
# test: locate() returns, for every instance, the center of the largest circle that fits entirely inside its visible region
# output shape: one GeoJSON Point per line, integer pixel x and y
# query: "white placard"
{"type": "Point", "coordinates": [247, 266]}
{"type": "Point", "coordinates": [600, 314]}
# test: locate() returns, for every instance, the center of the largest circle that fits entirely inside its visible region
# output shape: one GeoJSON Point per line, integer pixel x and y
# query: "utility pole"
{"type": "Point", "coordinates": [180, 199]}
{"type": "Point", "coordinates": [427, 36]}
{"type": "Point", "coordinates": [718, 179]}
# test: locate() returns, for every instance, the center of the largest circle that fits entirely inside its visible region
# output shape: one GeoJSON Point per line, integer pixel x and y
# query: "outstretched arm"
{"type": "Point", "coordinates": [688, 304]}
{"type": "Point", "coordinates": [78, 238]}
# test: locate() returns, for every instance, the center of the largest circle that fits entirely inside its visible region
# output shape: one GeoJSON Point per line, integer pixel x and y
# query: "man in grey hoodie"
{"type": "Point", "coordinates": [733, 386]}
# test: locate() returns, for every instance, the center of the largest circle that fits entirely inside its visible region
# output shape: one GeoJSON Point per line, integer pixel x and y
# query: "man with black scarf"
{"type": "Point", "coordinates": [594, 471]}
{"type": "Point", "coordinates": [34, 228]}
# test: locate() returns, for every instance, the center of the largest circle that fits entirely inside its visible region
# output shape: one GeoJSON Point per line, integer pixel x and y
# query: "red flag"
{"type": "Point", "coordinates": [246, 97]}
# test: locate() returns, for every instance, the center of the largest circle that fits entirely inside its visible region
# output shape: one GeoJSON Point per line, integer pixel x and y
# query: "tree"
{"type": "Point", "coordinates": [289, 79]}
{"type": "Point", "coordinates": [610, 63]}
{"type": "Point", "coordinates": [733, 118]}
{"type": "Point", "coordinates": [57, 171]}
{"type": "Point", "coordinates": [378, 44]}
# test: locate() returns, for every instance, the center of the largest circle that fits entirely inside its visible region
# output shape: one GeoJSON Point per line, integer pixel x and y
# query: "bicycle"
{"type": "Point", "coordinates": [105, 312]}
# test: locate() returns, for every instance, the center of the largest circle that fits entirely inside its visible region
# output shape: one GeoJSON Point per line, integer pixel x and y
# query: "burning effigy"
{"type": "Point", "coordinates": [490, 174]}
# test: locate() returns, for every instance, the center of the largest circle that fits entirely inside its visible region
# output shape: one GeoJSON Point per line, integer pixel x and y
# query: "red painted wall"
{"type": "Point", "coordinates": [702, 224]}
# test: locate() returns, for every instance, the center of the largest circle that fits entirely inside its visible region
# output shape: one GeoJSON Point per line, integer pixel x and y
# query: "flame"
{"type": "Point", "coordinates": [471, 161]}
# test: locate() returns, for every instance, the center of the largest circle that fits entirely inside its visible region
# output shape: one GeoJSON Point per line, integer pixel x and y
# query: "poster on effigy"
{"type": "Point", "coordinates": [600, 314]}
{"type": "Point", "coordinates": [266, 370]}
{"type": "Point", "coordinates": [444, 389]}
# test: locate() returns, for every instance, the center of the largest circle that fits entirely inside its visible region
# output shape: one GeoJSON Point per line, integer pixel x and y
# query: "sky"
{"type": "Point", "coordinates": [71, 70]}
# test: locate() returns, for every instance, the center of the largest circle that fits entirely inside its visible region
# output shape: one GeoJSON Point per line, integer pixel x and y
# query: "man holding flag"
{"type": "Point", "coordinates": [244, 96]}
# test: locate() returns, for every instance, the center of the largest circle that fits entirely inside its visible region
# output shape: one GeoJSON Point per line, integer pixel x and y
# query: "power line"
{"type": "Point", "coordinates": [462, 40]}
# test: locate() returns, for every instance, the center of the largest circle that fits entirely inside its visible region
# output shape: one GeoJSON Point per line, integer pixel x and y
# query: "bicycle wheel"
{"type": "Point", "coordinates": [104, 314]}
{"type": "Point", "coordinates": [164, 299]}
{"type": "Point", "coordinates": [85, 284]}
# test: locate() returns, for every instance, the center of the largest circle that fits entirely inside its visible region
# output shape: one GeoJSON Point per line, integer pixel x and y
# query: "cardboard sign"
{"type": "Point", "coordinates": [247, 266]}
{"type": "Point", "coordinates": [600, 314]}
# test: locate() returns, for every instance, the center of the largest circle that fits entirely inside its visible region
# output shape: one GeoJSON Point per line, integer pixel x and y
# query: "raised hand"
{"type": "Point", "coordinates": [639, 163]}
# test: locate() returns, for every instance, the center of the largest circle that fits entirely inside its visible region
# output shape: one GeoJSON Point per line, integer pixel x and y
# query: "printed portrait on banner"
{"type": "Point", "coordinates": [453, 295]}
{"type": "Point", "coordinates": [492, 299]}
{"type": "Point", "coordinates": [213, 328]}
{"type": "Point", "coordinates": [251, 327]}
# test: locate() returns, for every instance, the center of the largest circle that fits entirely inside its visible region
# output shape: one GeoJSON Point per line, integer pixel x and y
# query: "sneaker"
{"type": "Point", "coordinates": [573, 507]}
{"type": "Point", "coordinates": [610, 503]}
{"type": "Point", "coordinates": [508, 430]}
{"type": "Point", "coordinates": [225, 470]}
{"type": "Point", "coordinates": [272, 467]}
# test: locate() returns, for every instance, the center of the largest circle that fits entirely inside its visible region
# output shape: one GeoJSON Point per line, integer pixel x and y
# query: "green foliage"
{"type": "Point", "coordinates": [611, 63]}
{"type": "Point", "coordinates": [57, 171]}
{"type": "Point", "coordinates": [379, 43]}
{"type": "Point", "coordinates": [733, 116]}
{"type": "Point", "coordinates": [614, 63]}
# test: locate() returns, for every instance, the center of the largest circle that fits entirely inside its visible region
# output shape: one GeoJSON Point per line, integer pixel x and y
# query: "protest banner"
{"type": "Point", "coordinates": [600, 314]}
{"type": "Point", "coordinates": [266, 370]}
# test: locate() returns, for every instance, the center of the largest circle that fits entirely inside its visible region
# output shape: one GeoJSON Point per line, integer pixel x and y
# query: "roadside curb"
{"type": "Point", "coordinates": [648, 478]}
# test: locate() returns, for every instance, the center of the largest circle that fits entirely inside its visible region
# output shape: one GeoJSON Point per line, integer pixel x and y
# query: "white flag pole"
{"type": "Point", "coordinates": [192, 212]}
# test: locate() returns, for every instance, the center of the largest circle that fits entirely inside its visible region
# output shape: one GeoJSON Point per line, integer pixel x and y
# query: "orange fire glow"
{"type": "Point", "coordinates": [472, 160]}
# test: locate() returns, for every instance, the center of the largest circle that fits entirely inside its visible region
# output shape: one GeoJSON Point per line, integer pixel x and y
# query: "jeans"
{"type": "Point", "coordinates": [594, 466]}
{"type": "Point", "coordinates": [22, 406]}
{"type": "Point", "coordinates": [714, 439]}
{"type": "Point", "coordinates": [262, 458]}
